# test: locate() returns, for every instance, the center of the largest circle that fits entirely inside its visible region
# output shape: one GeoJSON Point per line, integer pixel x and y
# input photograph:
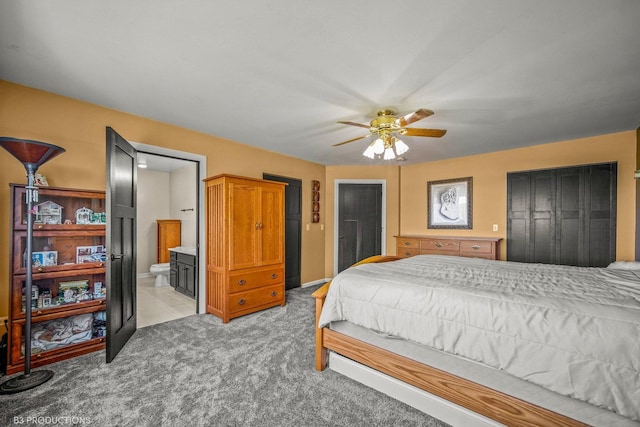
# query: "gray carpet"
{"type": "Point", "coordinates": [257, 370]}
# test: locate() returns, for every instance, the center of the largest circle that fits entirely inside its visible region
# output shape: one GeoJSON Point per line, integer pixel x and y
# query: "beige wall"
{"type": "Point", "coordinates": [489, 172]}
{"type": "Point", "coordinates": [184, 196]}
{"type": "Point", "coordinates": [153, 203]}
{"type": "Point", "coordinates": [79, 127]}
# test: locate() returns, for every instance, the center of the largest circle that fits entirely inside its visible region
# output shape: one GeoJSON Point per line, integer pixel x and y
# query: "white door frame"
{"type": "Point", "coordinates": [336, 213]}
{"type": "Point", "coordinates": [202, 160]}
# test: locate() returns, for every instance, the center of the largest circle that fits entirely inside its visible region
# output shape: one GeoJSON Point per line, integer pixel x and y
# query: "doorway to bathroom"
{"type": "Point", "coordinates": [168, 192]}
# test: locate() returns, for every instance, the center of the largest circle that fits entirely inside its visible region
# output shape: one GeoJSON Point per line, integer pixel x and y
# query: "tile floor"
{"type": "Point", "coordinates": [157, 305]}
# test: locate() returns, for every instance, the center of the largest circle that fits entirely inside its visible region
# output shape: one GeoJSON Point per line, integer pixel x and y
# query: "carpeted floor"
{"type": "Point", "coordinates": [257, 370]}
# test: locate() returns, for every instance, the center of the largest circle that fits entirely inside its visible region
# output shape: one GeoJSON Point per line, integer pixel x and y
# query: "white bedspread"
{"type": "Point", "coordinates": [573, 330]}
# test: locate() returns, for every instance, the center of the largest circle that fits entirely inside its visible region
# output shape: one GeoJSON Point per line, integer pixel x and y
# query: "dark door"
{"type": "Point", "coordinates": [359, 223]}
{"type": "Point", "coordinates": [292, 229]}
{"type": "Point", "coordinates": [121, 242]}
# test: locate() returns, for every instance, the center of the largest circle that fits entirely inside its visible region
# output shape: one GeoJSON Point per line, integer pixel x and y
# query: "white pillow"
{"type": "Point", "coordinates": [625, 265]}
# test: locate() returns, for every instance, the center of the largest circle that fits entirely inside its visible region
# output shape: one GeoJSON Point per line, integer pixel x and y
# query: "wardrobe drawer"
{"type": "Point", "coordinates": [251, 279]}
{"type": "Point", "coordinates": [268, 295]}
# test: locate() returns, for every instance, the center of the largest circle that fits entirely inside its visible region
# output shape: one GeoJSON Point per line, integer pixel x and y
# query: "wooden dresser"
{"type": "Point", "coordinates": [245, 245]}
{"type": "Point", "coordinates": [471, 247]}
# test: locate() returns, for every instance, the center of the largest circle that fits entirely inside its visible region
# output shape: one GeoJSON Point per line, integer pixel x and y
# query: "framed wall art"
{"type": "Point", "coordinates": [450, 203]}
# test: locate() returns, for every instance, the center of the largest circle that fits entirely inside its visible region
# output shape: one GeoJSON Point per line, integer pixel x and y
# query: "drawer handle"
{"type": "Point", "coordinates": [274, 293]}
{"type": "Point", "coordinates": [407, 243]}
{"type": "Point", "coordinates": [274, 276]}
{"type": "Point", "coordinates": [39, 269]}
{"type": "Point", "coordinates": [242, 301]}
{"type": "Point", "coordinates": [439, 245]}
{"type": "Point", "coordinates": [242, 282]}
{"type": "Point", "coordinates": [475, 247]}
{"type": "Point", "coordinates": [39, 227]}
{"type": "Point", "coordinates": [407, 253]}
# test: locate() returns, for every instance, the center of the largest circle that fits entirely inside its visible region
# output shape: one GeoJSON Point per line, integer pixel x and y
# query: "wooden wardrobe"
{"type": "Point", "coordinates": [245, 245]}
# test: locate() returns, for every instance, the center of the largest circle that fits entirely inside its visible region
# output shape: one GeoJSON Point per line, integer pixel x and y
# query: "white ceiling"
{"type": "Point", "coordinates": [278, 74]}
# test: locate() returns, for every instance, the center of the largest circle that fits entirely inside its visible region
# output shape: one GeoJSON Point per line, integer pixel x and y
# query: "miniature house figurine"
{"type": "Point", "coordinates": [48, 213]}
{"type": "Point", "coordinates": [83, 216]}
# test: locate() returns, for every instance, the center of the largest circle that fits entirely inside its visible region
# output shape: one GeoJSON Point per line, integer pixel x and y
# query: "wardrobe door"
{"type": "Point", "coordinates": [518, 216]}
{"type": "Point", "coordinates": [570, 216]}
{"type": "Point", "coordinates": [542, 245]}
{"type": "Point", "coordinates": [600, 214]}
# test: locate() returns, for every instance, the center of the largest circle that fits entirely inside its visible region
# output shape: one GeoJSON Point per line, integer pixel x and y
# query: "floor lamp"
{"type": "Point", "coordinates": [31, 154]}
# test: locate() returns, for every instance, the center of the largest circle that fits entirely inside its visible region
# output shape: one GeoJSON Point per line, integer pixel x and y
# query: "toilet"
{"type": "Point", "coordinates": [161, 271]}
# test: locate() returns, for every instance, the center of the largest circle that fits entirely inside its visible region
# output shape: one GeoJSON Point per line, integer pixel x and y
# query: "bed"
{"type": "Point", "coordinates": [522, 344]}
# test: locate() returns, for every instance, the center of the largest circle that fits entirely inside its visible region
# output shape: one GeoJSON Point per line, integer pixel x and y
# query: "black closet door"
{"type": "Point", "coordinates": [563, 216]}
{"type": "Point", "coordinates": [600, 214]}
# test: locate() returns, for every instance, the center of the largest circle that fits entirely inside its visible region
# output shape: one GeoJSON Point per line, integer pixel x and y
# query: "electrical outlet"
{"type": "Point", "coordinates": [495, 227]}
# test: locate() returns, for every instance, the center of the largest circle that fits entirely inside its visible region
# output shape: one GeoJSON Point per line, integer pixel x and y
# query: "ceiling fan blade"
{"type": "Point", "coordinates": [351, 140]}
{"type": "Point", "coordinates": [362, 125]}
{"type": "Point", "coordinates": [434, 133]}
{"type": "Point", "coordinates": [422, 113]}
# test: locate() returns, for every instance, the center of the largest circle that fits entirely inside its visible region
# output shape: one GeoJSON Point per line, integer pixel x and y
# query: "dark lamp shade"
{"type": "Point", "coordinates": [31, 154]}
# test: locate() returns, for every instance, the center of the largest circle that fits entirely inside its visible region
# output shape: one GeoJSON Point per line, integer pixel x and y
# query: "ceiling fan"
{"type": "Point", "coordinates": [387, 125]}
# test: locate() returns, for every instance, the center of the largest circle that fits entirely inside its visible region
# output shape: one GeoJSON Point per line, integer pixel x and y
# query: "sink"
{"type": "Point", "coordinates": [189, 250]}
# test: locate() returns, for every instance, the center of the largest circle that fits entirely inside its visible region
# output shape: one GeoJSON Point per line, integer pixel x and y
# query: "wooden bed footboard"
{"type": "Point", "coordinates": [320, 294]}
{"type": "Point", "coordinates": [491, 403]}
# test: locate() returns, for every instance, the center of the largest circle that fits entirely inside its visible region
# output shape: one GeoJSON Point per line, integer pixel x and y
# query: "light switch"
{"type": "Point", "coordinates": [308, 227]}
{"type": "Point", "coordinates": [321, 227]}
{"type": "Point", "coordinates": [495, 227]}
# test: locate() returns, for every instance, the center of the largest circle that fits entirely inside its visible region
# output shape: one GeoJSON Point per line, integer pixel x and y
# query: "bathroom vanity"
{"type": "Point", "coordinates": [183, 273]}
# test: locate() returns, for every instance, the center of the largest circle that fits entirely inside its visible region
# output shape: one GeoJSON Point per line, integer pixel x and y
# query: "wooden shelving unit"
{"type": "Point", "coordinates": [69, 253]}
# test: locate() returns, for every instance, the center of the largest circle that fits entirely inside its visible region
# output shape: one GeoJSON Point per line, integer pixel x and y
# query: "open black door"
{"type": "Point", "coordinates": [121, 242]}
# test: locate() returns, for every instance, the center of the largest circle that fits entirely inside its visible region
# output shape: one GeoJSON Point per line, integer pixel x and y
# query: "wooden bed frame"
{"type": "Point", "coordinates": [491, 403]}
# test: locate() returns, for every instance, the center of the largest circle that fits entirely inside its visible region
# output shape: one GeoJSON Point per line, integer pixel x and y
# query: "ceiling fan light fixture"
{"type": "Point", "coordinates": [369, 152]}
{"type": "Point", "coordinates": [389, 154]}
{"type": "Point", "coordinates": [401, 147]}
{"type": "Point", "coordinates": [378, 146]}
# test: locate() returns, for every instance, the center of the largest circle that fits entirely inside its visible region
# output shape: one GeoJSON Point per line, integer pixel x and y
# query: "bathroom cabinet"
{"type": "Point", "coordinates": [184, 273]}
{"type": "Point", "coordinates": [245, 245]}
{"type": "Point", "coordinates": [68, 275]}
{"type": "Point", "coordinates": [169, 236]}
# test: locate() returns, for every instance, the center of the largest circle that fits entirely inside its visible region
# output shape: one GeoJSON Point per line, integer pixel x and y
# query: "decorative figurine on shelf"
{"type": "Point", "coordinates": [48, 213]}
{"type": "Point", "coordinates": [84, 216]}
{"type": "Point", "coordinates": [40, 180]}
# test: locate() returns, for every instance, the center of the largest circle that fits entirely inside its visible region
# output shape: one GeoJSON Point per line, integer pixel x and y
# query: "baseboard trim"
{"type": "Point", "coordinates": [144, 275]}
{"type": "Point", "coordinates": [315, 282]}
{"type": "Point", "coordinates": [423, 401]}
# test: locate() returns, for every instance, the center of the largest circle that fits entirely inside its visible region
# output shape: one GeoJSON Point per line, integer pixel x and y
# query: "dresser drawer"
{"type": "Point", "coordinates": [479, 247]}
{"type": "Point", "coordinates": [404, 242]}
{"type": "Point", "coordinates": [434, 246]}
{"type": "Point", "coordinates": [407, 252]}
{"type": "Point", "coordinates": [268, 295]}
{"type": "Point", "coordinates": [244, 281]}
